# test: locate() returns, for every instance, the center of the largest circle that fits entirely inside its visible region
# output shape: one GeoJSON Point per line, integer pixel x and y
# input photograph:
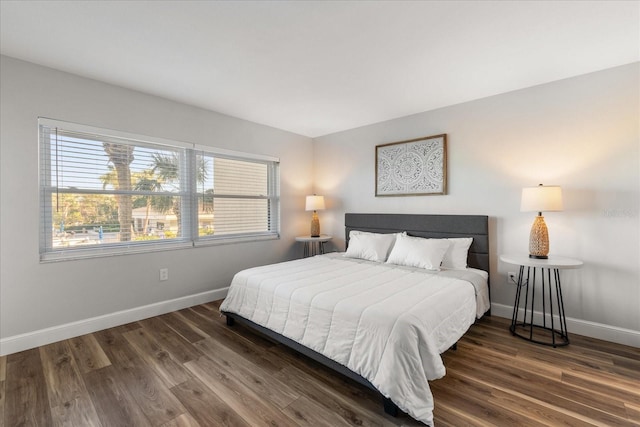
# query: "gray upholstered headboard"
{"type": "Point", "coordinates": [436, 226]}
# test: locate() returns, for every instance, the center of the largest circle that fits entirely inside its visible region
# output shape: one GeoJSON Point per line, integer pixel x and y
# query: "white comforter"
{"type": "Point", "coordinates": [387, 323]}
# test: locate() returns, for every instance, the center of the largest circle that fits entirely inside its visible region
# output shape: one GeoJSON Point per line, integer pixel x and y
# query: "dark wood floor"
{"type": "Point", "coordinates": [188, 368]}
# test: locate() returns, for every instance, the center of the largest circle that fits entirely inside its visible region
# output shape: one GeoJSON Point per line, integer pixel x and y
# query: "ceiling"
{"type": "Point", "coordinates": [320, 67]}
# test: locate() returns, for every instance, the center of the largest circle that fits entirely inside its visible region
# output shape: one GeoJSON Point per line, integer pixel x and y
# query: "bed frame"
{"type": "Point", "coordinates": [434, 226]}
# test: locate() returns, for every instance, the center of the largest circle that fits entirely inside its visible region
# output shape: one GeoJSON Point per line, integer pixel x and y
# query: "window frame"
{"type": "Point", "coordinates": [273, 197]}
{"type": "Point", "coordinates": [188, 194]}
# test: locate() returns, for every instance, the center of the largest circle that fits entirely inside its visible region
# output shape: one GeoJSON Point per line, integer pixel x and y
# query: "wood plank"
{"type": "Point", "coordinates": [550, 372]}
{"type": "Point", "coordinates": [627, 386]}
{"type": "Point", "coordinates": [148, 391]}
{"type": "Point", "coordinates": [76, 412]}
{"type": "Point", "coordinates": [205, 325]}
{"type": "Point", "coordinates": [112, 399]}
{"type": "Point", "coordinates": [158, 404]}
{"type": "Point", "coordinates": [336, 399]}
{"type": "Point", "coordinates": [217, 325]}
{"type": "Point", "coordinates": [26, 401]}
{"type": "Point", "coordinates": [159, 359]}
{"type": "Point", "coordinates": [3, 368]}
{"type": "Point", "coordinates": [538, 411]}
{"type": "Point", "coordinates": [465, 415]}
{"type": "Point", "coordinates": [305, 412]}
{"type": "Point", "coordinates": [607, 347]}
{"type": "Point", "coordinates": [205, 406]}
{"type": "Point", "coordinates": [604, 389]}
{"type": "Point", "coordinates": [232, 337]}
{"type": "Point", "coordinates": [244, 401]}
{"type": "Point", "coordinates": [249, 334]}
{"type": "Point", "coordinates": [61, 373]}
{"type": "Point", "coordinates": [127, 327]}
{"type": "Point", "coordinates": [213, 305]}
{"type": "Point", "coordinates": [3, 377]}
{"type": "Point", "coordinates": [169, 339]}
{"type": "Point", "coordinates": [542, 390]}
{"type": "Point", "coordinates": [66, 389]}
{"type": "Point", "coordinates": [633, 412]}
{"type": "Point", "coordinates": [330, 381]}
{"type": "Point", "coordinates": [564, 359]}
{"type": "Point", "coordinates": [251, 374]}
{"type": "Point", "coordinates": [627, 368]}
{"type": "Point", "coordinates": [116, 348]}
{"type": "Point", "coordinates": [446, 414]}
{"type": "Point", "coordinates": [2, 400]}
{"type": "Point", "coordinates": [185, 329]}
{"type": "Point", "coordinates": [279, 355]}
{"type": "Point", "coordinates": [500, 343]}
{"type": "Point", "coordinates": [184, 420]}
{"type": "Point", "coordinates": [470, 396]}
{"type": "Point", "coordinates": [88, 353]}
{"type": "Point", "coordinates": [205, 312]}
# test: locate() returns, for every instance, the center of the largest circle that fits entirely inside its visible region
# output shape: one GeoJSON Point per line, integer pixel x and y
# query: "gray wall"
{"type": "Point", "coordinates": [581, 133]}
{"type": "Point", "coordinates": [35, 296]}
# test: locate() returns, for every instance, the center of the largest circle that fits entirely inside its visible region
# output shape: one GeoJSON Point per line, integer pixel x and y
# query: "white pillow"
{"type": "Point", "coordinates": [418, 252]}
{"type": "Point", "coordinates": [370, 246]}
{"type": "Point", "coordinates": [456, 256]}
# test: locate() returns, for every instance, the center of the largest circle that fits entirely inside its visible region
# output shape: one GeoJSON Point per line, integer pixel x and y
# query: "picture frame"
{"type": "Point", "coordinates": [415, 167]}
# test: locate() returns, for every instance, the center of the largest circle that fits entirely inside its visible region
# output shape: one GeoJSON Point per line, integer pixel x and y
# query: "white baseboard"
{"type": "Point", "coordinates": [582, 327]}
{"type": "Point", "coordinates": [34, 339]}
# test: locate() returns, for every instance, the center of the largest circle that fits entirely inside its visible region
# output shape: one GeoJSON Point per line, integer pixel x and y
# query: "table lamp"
{"type": "Point", "coordinates": [315, 203]}
{"type": "Point", "coordinates": [540, 199]}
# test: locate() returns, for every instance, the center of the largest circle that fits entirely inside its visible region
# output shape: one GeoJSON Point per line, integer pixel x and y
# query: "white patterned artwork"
{"type": "Point", "coordinates": [412, 168]}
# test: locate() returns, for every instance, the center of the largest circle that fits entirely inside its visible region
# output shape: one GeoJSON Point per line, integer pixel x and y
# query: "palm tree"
{"type": "Point", "coordinates": [166, 168]}
{"type": "Point", "coordinates": [110, 178]}
{"type": "Point", "coordinates": [121, 156]}
{"type": "Point", "coordinates": [149, 182]}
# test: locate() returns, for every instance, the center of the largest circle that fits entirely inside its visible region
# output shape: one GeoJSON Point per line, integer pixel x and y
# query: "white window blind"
{"type": "Point", "coordinates": [238, 197]}
{"type": "Point", "coordinates": [105, 192]}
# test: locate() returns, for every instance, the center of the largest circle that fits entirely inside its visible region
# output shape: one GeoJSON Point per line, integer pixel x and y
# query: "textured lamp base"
{"type": "Point", "coordinates": [315, 225]}
{"type": "Point", "coordinates": [539, 239]}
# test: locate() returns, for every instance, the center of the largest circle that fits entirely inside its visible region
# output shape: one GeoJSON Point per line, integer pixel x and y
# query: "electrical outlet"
{"type": "Point", "coordinates": [164, 274]}
{"type": "Point", "coordinates": [513, 277]}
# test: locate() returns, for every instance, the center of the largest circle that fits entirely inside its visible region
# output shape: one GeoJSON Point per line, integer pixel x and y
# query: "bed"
{"type": "Point", "coordinates": [381, 324]}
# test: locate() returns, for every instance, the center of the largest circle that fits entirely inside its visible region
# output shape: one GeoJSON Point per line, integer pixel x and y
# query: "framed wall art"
{"type": "Point", "coordinates": [412, 168]}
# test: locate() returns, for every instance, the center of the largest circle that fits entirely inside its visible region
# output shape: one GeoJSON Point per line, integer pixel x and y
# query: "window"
{"type": "Point", "coordinates": [106, 192]}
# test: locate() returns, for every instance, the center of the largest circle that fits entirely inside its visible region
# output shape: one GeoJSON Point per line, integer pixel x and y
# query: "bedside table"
{"type": "Point", "coordinates": [313, 245]}
{"type": "Point", "coordinates": [546, 272]}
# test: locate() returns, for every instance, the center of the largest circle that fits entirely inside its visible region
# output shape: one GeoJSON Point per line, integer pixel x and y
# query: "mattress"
{"type": "Point", "coordinates": [387, 323]}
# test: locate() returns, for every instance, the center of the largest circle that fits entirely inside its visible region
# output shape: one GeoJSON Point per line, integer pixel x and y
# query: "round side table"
{"type": "Point", "coordinates": [546, 272]}
{"type": "Point", "coordinates": [313, 245]}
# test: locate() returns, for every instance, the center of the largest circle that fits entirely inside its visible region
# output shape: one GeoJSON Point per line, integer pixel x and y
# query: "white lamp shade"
{"type": "Point", "coordinates": [315, 203]}
{"type": "Point", "coordinates": [541, 199]}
